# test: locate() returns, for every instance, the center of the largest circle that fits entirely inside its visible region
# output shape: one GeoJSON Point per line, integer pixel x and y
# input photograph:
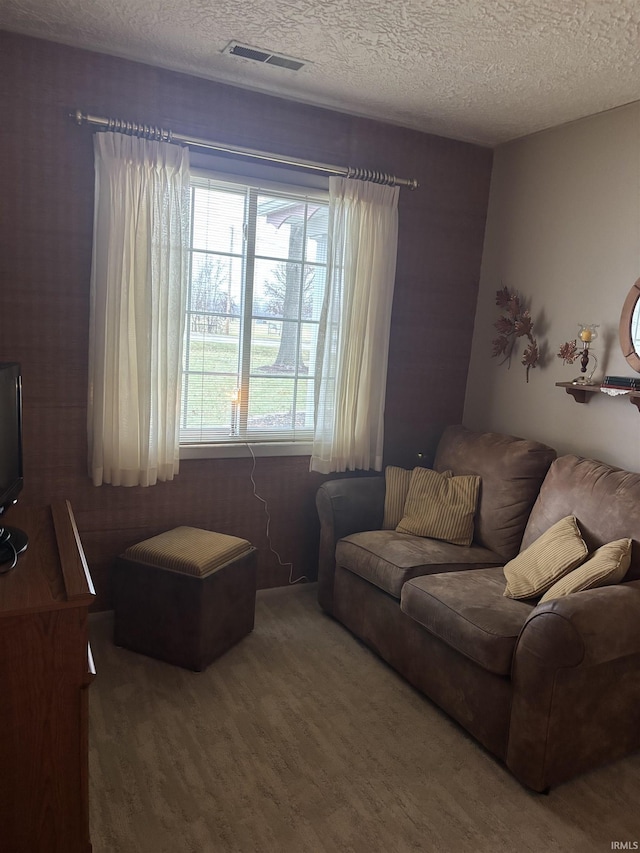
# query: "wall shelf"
{"type": "Point", "coordinates": [582, 393]}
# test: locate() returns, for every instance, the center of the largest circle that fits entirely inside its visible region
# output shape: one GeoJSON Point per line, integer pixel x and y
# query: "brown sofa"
{"type": "Point", "coordinates": [551, 689]}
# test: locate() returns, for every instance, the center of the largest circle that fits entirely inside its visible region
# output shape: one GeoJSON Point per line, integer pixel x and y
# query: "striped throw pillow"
{"type": "Point", "coordinates": [606, 566]}
{"type": "Point", "coordinates": [440, 506]}
{"type": "Point", "coordinates": [557, 552]}
{"type": "Point", "coordinates": [396, 487]}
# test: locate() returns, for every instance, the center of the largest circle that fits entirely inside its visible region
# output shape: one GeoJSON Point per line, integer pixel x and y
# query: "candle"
{"type": "Point", "coordinates": [586, 336]}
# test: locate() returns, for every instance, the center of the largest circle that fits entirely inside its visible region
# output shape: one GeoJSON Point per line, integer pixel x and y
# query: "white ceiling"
{"type": "Point", "coordinates": [481, 70]}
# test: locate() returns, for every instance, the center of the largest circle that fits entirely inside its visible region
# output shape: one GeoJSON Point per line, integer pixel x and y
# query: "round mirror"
{"type": "Point", "coordinates": [630, 327]}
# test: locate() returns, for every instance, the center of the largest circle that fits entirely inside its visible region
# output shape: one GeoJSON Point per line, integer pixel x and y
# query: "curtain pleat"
{"type": "Point", "coordinates": [138, 295]}
{"type": "Point", "coordinates": [353, 339]}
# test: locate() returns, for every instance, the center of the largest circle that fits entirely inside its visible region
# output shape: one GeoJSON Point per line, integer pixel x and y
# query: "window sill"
{"type": "Point", "coordinates": [230, 451]}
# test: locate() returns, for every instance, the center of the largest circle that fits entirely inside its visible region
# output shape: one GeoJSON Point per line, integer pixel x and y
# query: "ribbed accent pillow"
{"type": "Point", "coordinates": [440, 506]}
{"type": "Point", "coordinates": [558, 551]}
{"type": "Point", "coordinates": [189, 550]}
{"type": "Point", "coordinates": [606, 566]}
{"type": "Point", "coordinates": [396, 482]}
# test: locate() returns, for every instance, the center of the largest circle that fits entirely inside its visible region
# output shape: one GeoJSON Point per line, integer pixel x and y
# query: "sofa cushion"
{"type": "Point", "coordinates": [468, 612]}
{"type": "Point", "coordinates": [511, 469]}
{"type": "Point", "coordinates": [440, 506]}
{"type": "Point", "coordinates": [388, 559]}
{"type": "Point", "coordinates": [558, 551]}
{"type": "Point", "coordinates": [606, 566]}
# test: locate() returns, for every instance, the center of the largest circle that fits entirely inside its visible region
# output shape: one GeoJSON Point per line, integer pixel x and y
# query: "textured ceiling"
{"type": "Point", "coordinates": [481, 70]}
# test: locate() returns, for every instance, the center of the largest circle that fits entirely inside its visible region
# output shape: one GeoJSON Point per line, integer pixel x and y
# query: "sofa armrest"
{"type": "Point", "coordinates": [344, 506]}
{"type": "Point", "coordinates": [576, 685]}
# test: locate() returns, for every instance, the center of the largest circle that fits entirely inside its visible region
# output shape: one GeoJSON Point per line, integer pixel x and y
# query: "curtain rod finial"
{"type": "Point", "coordinates": [78, 115]}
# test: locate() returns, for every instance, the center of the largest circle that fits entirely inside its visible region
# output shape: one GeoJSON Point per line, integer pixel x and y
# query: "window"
{"type": "Point", "coordinates": [256, 287]}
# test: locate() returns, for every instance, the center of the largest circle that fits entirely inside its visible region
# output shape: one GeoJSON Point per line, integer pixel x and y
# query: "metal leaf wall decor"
{"type": "Point", "coordinates": [514, 322]}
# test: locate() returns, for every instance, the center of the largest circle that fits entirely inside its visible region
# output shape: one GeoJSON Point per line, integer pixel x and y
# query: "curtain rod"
{"type": "Point", "coordinates": [132, 128]}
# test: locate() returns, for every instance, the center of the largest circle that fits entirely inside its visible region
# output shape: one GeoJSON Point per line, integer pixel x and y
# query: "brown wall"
{"type": "Point", "coordinates": [46, 211]}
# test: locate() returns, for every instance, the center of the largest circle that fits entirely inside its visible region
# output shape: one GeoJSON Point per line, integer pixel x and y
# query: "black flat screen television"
{"type": "Point", "coordinates": [12, 540]}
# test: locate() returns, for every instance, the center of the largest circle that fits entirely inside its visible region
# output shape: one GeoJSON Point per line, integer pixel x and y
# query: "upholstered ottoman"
{"type": "Point", "coordinates": [185, 596]}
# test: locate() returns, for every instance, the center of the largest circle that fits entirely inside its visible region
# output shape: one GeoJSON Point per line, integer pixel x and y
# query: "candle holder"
{"type": "Point", "coordinates": [580, 348]}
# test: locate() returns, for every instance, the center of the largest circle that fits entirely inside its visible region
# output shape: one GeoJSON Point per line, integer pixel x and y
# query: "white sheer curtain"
{"type": "Point", "coordinates": [138, 293]}
{"type": "Point", "coordinates": [353, 344]}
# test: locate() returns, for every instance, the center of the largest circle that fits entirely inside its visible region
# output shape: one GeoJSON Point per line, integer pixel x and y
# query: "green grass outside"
{"type": "Point", "coordinates": [271, 395]}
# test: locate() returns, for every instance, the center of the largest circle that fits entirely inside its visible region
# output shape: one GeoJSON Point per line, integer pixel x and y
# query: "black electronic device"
{"type": "Point", "coordinates": [12, 541]}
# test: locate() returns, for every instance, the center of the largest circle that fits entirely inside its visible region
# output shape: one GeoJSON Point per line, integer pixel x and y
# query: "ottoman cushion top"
{"type": "Point", "coordinates": [189, 550]}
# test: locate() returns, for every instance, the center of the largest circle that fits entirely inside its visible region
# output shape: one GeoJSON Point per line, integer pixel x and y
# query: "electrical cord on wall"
{"type": "Point", "coordinates": [267, 513]}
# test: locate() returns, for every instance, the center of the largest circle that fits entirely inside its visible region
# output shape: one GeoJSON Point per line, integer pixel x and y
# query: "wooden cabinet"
{"type": "Point", "coordinates": [45, 670]}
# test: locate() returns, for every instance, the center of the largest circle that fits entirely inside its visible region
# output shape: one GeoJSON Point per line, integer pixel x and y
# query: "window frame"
{"type": "Point", "coordinates": [288, 445]}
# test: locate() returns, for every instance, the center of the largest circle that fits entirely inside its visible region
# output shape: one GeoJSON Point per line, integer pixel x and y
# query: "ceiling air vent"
{"type": "Point", "coordinates": [266, 57]}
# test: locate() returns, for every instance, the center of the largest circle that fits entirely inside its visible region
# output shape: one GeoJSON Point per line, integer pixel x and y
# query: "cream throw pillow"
{"type": "Point", "coordinates": [397, 482]}
{"type": "Point", "coordinates": [396, 488]}
{"type": "Point", "coordinates": [440, 506]}
{"type": "Point", "coordinates": [559, 550]}
{"type": "Point", "coordinates": [608, 565]}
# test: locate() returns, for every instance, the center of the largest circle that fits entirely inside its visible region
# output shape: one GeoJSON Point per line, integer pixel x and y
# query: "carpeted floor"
{"type": "Point", "coordinates": [299, 740]}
